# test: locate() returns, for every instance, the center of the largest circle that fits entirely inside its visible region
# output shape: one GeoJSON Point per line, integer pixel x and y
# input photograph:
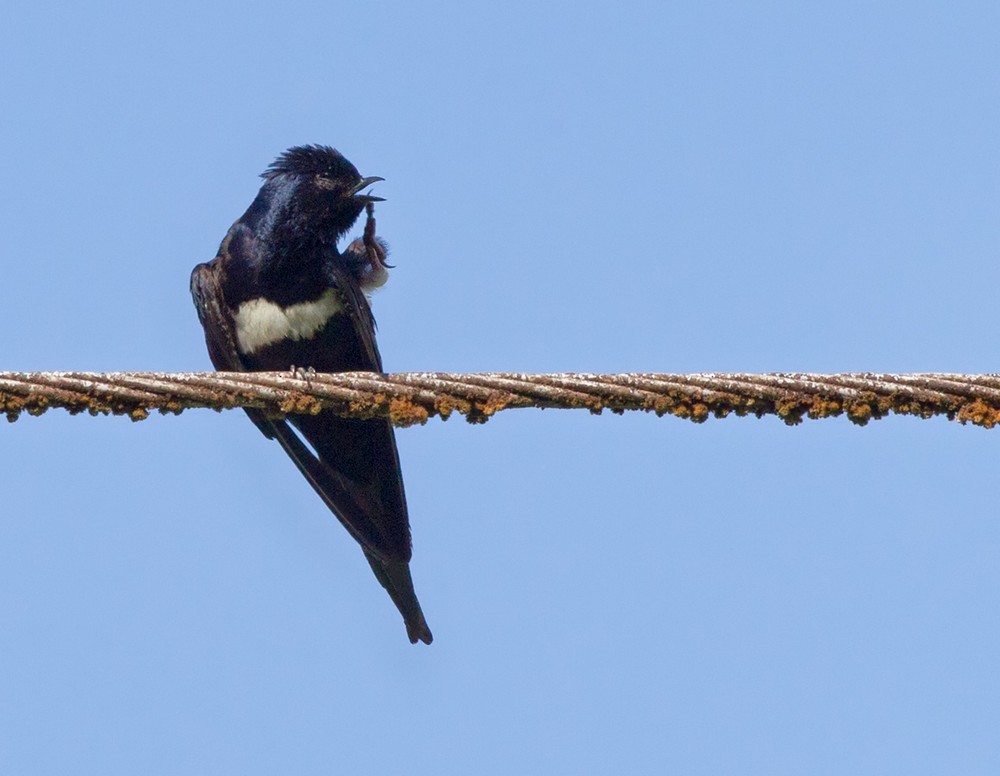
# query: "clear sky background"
{"type": "Point", "coordinates": [570, 186]}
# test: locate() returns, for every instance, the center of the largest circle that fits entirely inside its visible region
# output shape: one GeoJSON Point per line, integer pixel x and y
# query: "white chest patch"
{"type": "Point", "coordinates": [260, 323]}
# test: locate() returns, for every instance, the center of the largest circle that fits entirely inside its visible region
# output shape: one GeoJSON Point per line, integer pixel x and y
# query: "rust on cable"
{"type": "Point", "coordinates": [413, 398]}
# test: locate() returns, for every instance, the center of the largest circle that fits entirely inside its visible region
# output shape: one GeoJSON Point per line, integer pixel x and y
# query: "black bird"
{"type": "Point", "coordinates": [280, 296]}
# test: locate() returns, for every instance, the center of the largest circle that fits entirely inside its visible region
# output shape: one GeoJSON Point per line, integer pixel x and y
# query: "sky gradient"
{"type": "Point", "coordinates": [573, 186]}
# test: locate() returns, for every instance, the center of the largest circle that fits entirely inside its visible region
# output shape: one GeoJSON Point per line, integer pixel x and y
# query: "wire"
{"type": "Point", "coordinates": [413, 398]}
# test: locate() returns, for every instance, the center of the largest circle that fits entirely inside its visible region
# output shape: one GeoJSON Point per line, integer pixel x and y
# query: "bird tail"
{"type": "Point", "coordinates": [394, 576]}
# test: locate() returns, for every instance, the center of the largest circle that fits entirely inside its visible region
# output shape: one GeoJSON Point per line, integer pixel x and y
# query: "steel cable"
{"type": "Point", "coordinates": [410, 398]}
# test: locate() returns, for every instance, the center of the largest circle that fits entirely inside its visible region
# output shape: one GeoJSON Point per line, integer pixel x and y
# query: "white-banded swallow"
{"type": "Point", "coordinates": [280, 295]}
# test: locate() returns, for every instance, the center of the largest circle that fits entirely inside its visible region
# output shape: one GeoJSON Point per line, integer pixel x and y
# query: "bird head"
{"type": "Point", "coordinates": [328, 189]}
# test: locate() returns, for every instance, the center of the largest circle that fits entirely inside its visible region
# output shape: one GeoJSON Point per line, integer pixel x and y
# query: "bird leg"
{"type": "Point", "coordinates": [374, 247]}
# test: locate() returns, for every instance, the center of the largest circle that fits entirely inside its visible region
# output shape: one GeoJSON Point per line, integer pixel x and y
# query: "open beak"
{"type": "Point", "coordinates": [364, 183]}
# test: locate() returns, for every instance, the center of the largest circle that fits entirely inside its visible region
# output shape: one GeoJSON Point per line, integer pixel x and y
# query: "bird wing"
{"type": "Point", "coordinates": [384, 537]}
{"type": "Point", "coordinates": [355, 469]}
{"type": "Point", "coordinates": [220, 334]}
{"type": "Point", "coordinates": [215, 317]}
{"type": "Point", "coordinates": [357, 308]}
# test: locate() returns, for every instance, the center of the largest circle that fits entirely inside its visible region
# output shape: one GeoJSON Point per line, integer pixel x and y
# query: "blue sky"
{"type": "Point", "coordinates": [570, 186]}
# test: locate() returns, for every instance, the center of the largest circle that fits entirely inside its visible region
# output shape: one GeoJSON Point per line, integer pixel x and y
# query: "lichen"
{"type": "Point", "coordinates": [404, 412]}
{"type": "Point", "coordinates": [446, 405]}
{"type": "Point", "coordinates": [979, 413]}
{"type": "Point", "coordinates": [296, 403]}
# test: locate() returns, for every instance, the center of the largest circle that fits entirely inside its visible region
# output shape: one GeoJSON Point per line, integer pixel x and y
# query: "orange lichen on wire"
{"type": "Point", "coordinates": [414, 398]}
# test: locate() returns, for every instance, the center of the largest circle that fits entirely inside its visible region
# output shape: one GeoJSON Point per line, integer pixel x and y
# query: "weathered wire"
{"type": "Point", "coordinates": [415, 397]}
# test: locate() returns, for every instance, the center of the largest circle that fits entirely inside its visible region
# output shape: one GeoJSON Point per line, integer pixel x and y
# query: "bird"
{"type": "Point", "coordinates": [280, 296]}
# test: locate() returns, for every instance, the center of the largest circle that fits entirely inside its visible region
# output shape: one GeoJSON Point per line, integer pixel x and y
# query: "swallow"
{"type": "Point", "coordinates": [279, 295]}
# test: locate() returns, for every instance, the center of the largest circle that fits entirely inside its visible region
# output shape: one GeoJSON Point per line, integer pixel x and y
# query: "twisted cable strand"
{"type": "Point", "coordinates": [414, 397]}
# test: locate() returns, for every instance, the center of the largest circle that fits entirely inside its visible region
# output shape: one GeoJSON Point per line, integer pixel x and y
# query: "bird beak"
{"type": "Point", "coordinates": [363, 183]}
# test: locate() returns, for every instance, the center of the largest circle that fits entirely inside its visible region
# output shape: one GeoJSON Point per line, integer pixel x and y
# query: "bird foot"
{"type": "Point", "coordinates": [374, 247]}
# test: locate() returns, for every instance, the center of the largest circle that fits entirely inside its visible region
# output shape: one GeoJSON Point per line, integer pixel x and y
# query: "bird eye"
{"type": "Point", "coordinates": [322, 182]}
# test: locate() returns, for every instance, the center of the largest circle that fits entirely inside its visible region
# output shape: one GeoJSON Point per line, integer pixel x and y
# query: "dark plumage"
{"type": "Point", "coordinates": [280, 295]}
